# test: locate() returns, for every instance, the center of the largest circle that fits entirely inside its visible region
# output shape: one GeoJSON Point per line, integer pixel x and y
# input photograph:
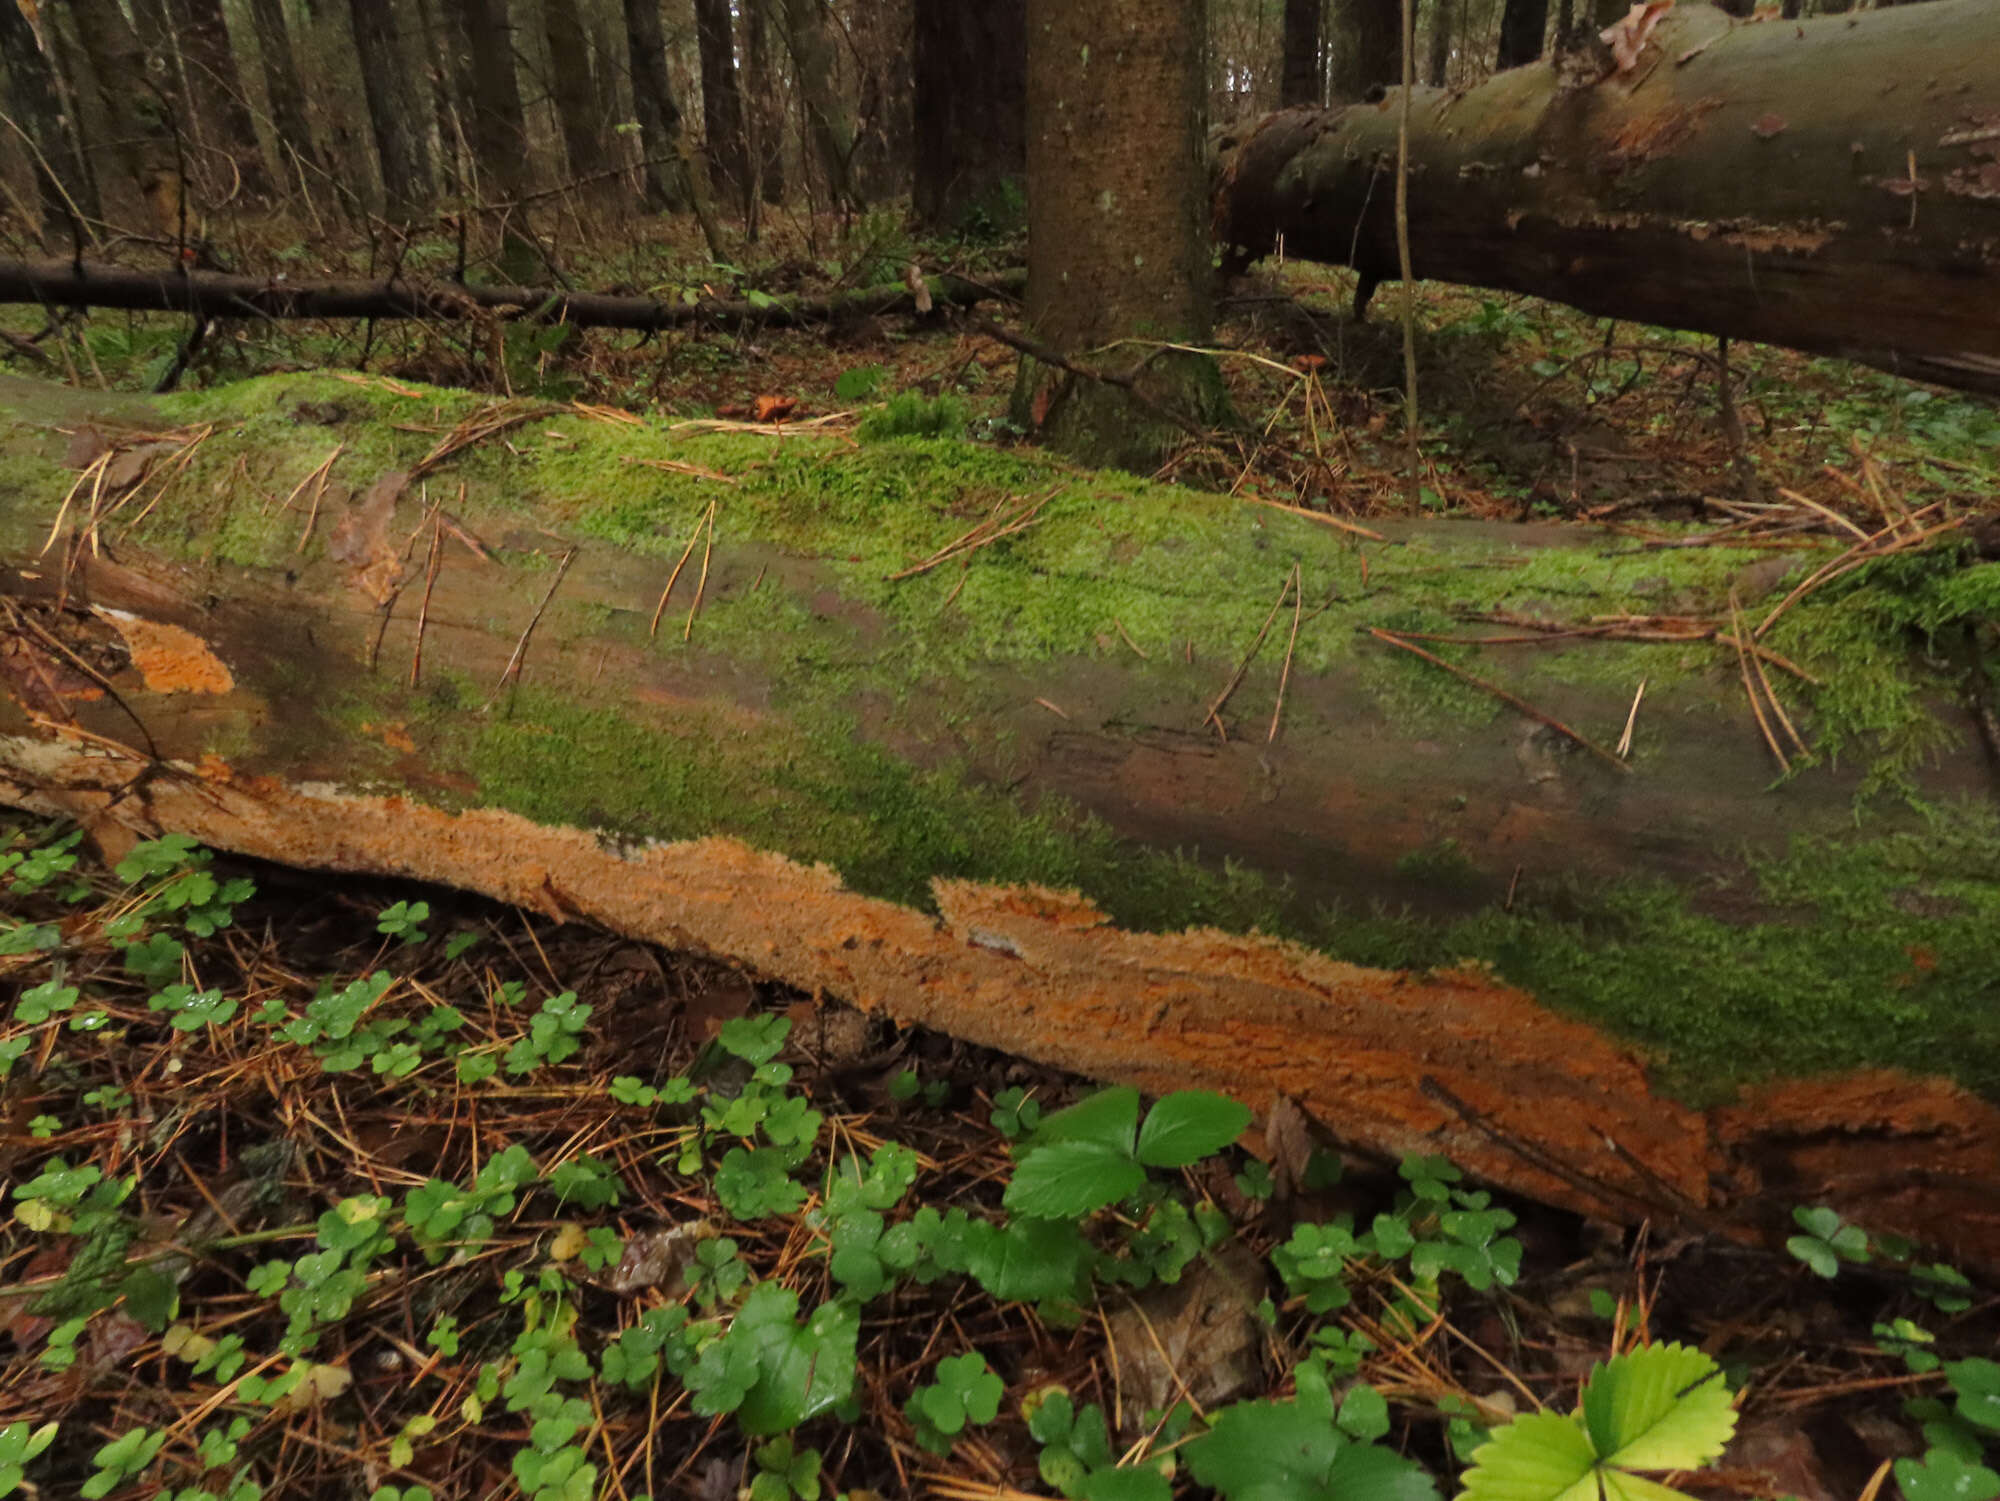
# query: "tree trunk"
{"type": "Point", "coordinates": [971, 77]}
{"type": "Point", "coordinates": [960, 798]}
{"type": "Point", "coordinates": [1116, 247]}
{"type": "Point", "coordinates": [1523, 25]}
{"type": "Point", "coordinates": [829, 126]}
{"type": "Point", "coordinates": [287, 93]}
{"type": "Point", "coordinates": [496, 128]}
{"type": "Point", "coordinates": [35, 102]}
{"type": "Point", "coordinates": [573, 86]}
{"type": "Point", "coordinates": [721, 100]}
{"type": "Point", "coordinates": [1302, 65]}
{"type": "Point", "coordinates": [402, 145]}
{"type": "Point", "coordinates": [1757, 185]}
{"type": "Point", "coordinates": [764, 121]}
{"type": "Point", "coordinates": [653, 103]}
{"type": "Point", "coordinates": [217, 85]}
{"type": "Point", "coordinates": [144, 113]}
{"type": "Point", "coordinates": [1438, 73]}
{"type": "Point", "coordinates": [1367, 47]}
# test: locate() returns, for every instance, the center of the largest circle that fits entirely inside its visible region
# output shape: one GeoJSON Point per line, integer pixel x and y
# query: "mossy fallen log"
{"type": "Point", "coordinates": [1830, 185]}
{"type": "Point", "coordinates": [990, 796]}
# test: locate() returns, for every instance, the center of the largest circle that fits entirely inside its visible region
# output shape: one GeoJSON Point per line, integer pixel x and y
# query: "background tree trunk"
{"type": "Point", "coordinates": [1443, 17]}
{"type": "Point", "coordinates": [401, 142]}
{"type": "Point", "coordinates": [216, 85]}
{"type": "Point", "coordinates": [1759, 127]}
{"type": "Point", "coordinates": [496, 128]}
{"type": "Point", "coordinates": [1523, 25]}
{"type": "Point", "coordinates": [764, 121]}
{"type": "Point", "coordinates": [287, 94]}
{"type": "Point", "coordinates": [653, 102]}
{"type": "Point", "coordinates": [1367, 48]}
{"type": "Point", "coordinates": [573, 88]}
{"type": "Point", "coordinates": [1302, 77]}
{"type": "Point", "coordinates": [721, 100]}
{"type": "Point", "coordinates": [971, 81]}
{"type": "Point", "coordinates": [828, 125]}
{"type": "Point", "coordinates": [35, 102]}
{"type": "Point", "coordinates": [144, 113]}
{"type": "Point", "coordinates": [1116, 245]}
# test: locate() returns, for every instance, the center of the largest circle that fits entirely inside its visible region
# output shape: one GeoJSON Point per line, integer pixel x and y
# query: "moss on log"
{"type": "Point", "coordinates": [1422, 912]}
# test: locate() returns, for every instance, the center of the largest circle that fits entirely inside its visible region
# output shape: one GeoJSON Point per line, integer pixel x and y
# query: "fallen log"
{"type": "Point", "coordinates": [216, 294]}
{"type": "Point", "coordinates": [1831, 185]}
{"type": "Point", "coordinates": [964, 739]}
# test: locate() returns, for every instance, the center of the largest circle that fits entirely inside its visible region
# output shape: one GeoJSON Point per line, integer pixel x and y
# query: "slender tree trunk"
{"type": "Point", "coordinates": [764, 121]}
{"type": "Point", "coordinates": [1303, 63]}
{"type": "Point", "coordinates": [401, 143]}
{"type": "Point", "coordinates": [35, 102]}
{"type": "Point", "coordinates": [573, 88]}
{"type": "Point", "coordinates": [1443, 15]}
{"type": "Point", "coordinates": [971, 91]}
{"type": "Point", "coordinates": [1523, 26]}
{"type": "Point", "coordinates": [495, 126]}
{"type": "Point", "coordinates": [143, 112]}
{"type": "Point", "coordinates": [216, 84]}
{"type": "Point", "coordinates": [721, 99]}
{"type": "Point", "coordinates": [828, 124]}
{"type": "Point", "coordinates": [1117, 233]}
{"type": "Point", "coordinates": [653, 103]}
{"type": "Point", "coordinates": [1367, 48]}
{"type": "Point", "coordinates": [281, 82]}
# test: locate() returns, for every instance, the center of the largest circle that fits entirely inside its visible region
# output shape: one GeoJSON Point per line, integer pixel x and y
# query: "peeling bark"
{"type": "Point", "coordinates": [1832, 186]}
{"type": "Point", "coordinates": [270, 664]}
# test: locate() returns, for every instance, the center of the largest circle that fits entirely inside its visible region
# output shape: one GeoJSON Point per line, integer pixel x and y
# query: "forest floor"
{"type": "Point", "coordinates": [333, 1189]}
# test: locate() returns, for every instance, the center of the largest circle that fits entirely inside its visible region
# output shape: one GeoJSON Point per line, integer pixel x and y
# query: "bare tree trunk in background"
{"type": "Point", "coordinates": [1366, 47]}
{"type": "Point", "coordinates": [447, 83]}
{"type": "Point", "coordinates": [764, 120]}
{"type": "Point", "coordinates": [829, 127]}
{"type": "Point", "coordinates": [1303, 62]}
{"type": "Point", "coordinates": [401, 144]}
{"type": "Point", "coordinates": [1523, 26]}
{"type": "Point", "coordinates": [653, 104]}
{"type": "Point", "coordinates": [216, 86]}
{"type": "Point", "coordinates": [34, 101]}
{"type": "Point", "coordinates": [879, 39]}
{"type": "Point", "coordinates": [721, 100]}
{"type": "Point", "coordinates": [1117, 221]}
{"type": "Point", "coordinates": [281, 82]}
{"type": "Point", "coordinates": [1442, 20]}
{"type": "Point", "coordinates": [573, 87]}
{"type": "Point", "coordinates": [495, 127]}
{"type": "Point", "coordinates": [142, 111]}
{"type": "Point", "coordinates": [971, 77]}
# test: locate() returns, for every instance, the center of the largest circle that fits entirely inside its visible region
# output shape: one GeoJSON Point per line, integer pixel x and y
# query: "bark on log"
{"type": "Point", "coordinates": [869, 788]}
{"type": "Point", "coordinates": [1833, 186]}
{"type": "Point", "coordinates": [209, 294]}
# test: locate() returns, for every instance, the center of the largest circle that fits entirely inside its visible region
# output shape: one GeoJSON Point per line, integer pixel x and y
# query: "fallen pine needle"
{"type": "Point", "coordinates": [513, 668]}
{"type": "Point", "coordinates": [701, 584]}
{"type": "Point", "coordinates": [1631, 719]}
{"type": "Point", "coordinates": [1320, 516]}
{"type": "Point", "coordinates": [672, 578]}
{"type": "Point", "coordinates": [1051, 708]}
{"type": "Point", "coordinates": [1502, 694]}
{"type": "Point", "coordinates": [1127, 638]}
{"type": "Point", "coordinates": [1215, 709]}
{"type": "Point", "coordinates": [1285, 675]}
{"type": "Point", "coordinates": [1750, 690]}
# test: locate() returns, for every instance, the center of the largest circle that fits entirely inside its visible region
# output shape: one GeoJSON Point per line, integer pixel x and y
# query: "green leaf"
{"type": "Point", "coordinates": [1942, 1475]}
{"type": "Point", "coordinates": [1110, 1118]}
{"type": "Point", "coordinates": [1070, 1179]}
{"type": "Point", "coordinates": [1977, 1383]}
{"type": "Point", "coordinates": [1662, 1407]}
{"type": "Point", "coordinates": [1287, 1451]}
{"type": "Point", "coordinates": [1142, 1483]}
{"type": "Point", "coordinates": [1188, 1125]}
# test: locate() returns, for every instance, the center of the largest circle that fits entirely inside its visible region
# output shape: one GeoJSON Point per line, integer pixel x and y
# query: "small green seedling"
{"type": "Point", "coordinates": [784, 1472]}
{"type": "Point", "coordinates": [964, 1391]}
{"type": "Point", "coordinates": [404, 920]}
{"type": "Point", "coordinates": [1827, 1242]}
{"type": "Point", "coordinates": [19, 1444]}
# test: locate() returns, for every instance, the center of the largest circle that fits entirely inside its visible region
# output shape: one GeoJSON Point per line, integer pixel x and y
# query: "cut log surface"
{"type": "Point", "coordinates": [1831, 185]}
{"type": "Point", "coordinates": [966, 800]}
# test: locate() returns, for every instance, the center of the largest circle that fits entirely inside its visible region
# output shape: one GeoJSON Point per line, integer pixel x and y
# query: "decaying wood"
{"type": "Point", "coordinates": [1832, 185]}
{"type": "Point", "coordinates": [1454, 1062]}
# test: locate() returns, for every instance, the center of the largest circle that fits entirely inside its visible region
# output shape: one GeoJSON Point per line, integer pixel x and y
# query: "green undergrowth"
{"type": "Point", "coordinates": [1713, 1001]}
{"type": "Point", "coordinates": [314, 1195]}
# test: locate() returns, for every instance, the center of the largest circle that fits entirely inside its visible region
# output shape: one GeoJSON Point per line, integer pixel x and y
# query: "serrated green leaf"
{"type": "Point", "coordinates": [1070, 1179]}
{"type": "Point", "coordinates": [1660, 1407]}
{"type": "Point", "coordinates": [1110, 1117]}
{"type": "Point", "coordinates": [1540, 1457]}
{"type": "Point", "coordinates": [1188, 1125]}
